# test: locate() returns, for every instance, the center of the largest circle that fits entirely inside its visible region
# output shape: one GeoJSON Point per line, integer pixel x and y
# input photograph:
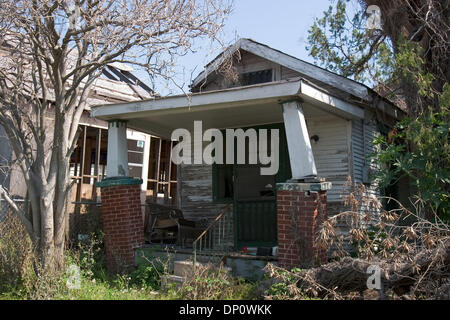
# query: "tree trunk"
{"type": "Point", "coordinates": [47, 245]}
{"type": "Point", "coordinates": [50, 186]}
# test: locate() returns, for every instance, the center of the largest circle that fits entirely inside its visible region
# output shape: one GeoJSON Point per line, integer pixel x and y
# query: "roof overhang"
{"type": "Point", "coordinates": [230, 108]}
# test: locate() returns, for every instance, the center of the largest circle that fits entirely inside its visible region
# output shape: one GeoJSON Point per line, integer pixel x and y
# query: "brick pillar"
{"type": "Point", "coordinates": [122, 221]}
{"type": "Point", "coordinates": [301, 208]}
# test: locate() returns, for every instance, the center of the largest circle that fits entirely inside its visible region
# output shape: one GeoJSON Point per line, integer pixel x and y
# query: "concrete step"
{"type": "Point", "coordinates": [185, 268]}
{"type": "Point", "coordinates": [168, 279]}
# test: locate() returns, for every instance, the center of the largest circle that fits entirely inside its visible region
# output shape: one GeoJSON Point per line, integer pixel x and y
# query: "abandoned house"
{"type": "Point", "coordinates": [326, 124]}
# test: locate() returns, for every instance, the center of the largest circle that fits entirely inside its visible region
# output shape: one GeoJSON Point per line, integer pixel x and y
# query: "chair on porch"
{"type": "Point", "coordinates": [167, 225]}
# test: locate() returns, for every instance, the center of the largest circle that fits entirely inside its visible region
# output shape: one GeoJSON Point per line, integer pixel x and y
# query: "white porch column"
{"type": "Point", "coordinates": [117, 153]}
{"type": "Point", "coordinates": [146, 162]}
{"type": "Point", "coordinates": [299, 144]}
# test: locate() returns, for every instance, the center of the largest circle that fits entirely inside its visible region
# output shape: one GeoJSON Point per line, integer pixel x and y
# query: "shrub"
{"type": "Point", "coordinates": [16, 253]}
{"type": "Point", "coordinates": [419, 148]}
{"type": "Point", "coordinates": [209, 283]}
{"type": "Point", "coordinates": [89, 255]}
{"type": "Point", "coordinates": [148, 275]}
{"type": "Point", "coordinates": [284, 286]}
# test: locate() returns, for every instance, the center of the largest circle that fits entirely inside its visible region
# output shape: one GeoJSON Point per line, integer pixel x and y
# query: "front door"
{"type": "Point", "coordinates": [255, 207]}
{"type": "Point", "coordinates": [254, 199]}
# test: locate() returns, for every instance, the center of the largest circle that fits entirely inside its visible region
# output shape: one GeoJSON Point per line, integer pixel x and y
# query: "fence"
{"type": "Point", "coordinates": [5, 207]}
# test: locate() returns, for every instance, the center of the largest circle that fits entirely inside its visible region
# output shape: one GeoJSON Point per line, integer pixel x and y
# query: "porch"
{"type": "Point", "coordinates": [285, 105]}
{"type": "Point", "coordinates": [172, 238]}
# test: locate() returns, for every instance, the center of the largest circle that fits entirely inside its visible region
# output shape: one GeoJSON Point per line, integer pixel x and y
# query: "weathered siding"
{"type": "Point", "coordinates": [251, 63]}
{"type": "Point", "coordinates": [248, 62]}
{"type": "Point", "coordinates": [331, 152]}
{"type": "Point", "coordinates": [363, 133]}
{"type": "Point", "coordinates": [195, 192]}
{"type": "Point", "coordinates": [358, 147]}
{"type": "Point", "coordinates": [287, 73]}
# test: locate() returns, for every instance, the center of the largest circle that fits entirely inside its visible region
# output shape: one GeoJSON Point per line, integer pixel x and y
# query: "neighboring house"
{"type": "Point", "coordinates": [149, 156]}
{"type": "Point", "coordinates": [251, 85]}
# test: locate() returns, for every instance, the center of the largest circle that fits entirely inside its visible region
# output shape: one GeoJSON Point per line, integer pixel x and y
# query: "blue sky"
{"type": "Point", "coordinates": [280, 24]}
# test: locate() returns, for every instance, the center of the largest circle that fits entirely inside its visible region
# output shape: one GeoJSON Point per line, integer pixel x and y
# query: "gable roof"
{"type": "Point", "coordinates": [308, 70]}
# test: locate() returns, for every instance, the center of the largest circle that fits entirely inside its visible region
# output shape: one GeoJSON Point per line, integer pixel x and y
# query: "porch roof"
{"type": "Point", "coordinates": [229, 108]}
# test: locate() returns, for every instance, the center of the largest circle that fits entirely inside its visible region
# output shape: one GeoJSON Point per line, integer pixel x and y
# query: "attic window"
{"type": "Point", "coordinates": [256, 77]}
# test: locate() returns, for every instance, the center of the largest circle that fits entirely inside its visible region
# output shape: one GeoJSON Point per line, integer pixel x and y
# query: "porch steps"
{"type": "Point", "coordinates": [245, 266]}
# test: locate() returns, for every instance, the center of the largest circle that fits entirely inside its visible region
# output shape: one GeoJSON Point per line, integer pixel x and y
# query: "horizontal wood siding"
{"type": "Point", "coordinates": [370, 133]}
{"type": "Point", "coordinates": [248, 63]}
{"type": "Point", "coordinates": [251, 63]}
{"type": "Point", "coordinates": [331, 152]}
{"type": "Point", "coordinates": [195, 192]}
{"type": "Point", "coordinates": [287, 73]}
{"type": "Point", "coordinates": [363, 133]}
{"type": "Point", "coordinates": [358, 150]}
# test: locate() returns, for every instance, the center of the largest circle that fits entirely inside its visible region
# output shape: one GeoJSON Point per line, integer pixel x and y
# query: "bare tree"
{"type": "Point", "coordinates": [53, 51]}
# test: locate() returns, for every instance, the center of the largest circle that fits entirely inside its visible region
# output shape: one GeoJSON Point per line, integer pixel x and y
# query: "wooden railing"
{"type": "Point", "coordinates": [218, 237]}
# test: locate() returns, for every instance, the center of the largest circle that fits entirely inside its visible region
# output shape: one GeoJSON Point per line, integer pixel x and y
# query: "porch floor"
{"type": "Point", "coordinates": [172, 248]}
{"type": "Point", "coordinates": [243, 265]}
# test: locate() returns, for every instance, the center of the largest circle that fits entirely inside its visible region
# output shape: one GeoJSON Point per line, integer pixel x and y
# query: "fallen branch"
{"type": "Point", "coordinates": [349, 275]}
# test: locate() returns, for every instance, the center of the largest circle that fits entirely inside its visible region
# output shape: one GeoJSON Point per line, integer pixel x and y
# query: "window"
{"type": "Point", "coordinates": [135, 157]}
{"type": "Point", "coordinates": [251, 185]}
{"type": "Point", "coordinates": [223, 183]}
{"type": "Point", "coordinates": [256, 77]}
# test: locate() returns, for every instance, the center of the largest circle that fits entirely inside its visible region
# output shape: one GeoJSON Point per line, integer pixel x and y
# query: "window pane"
{"type": "Point", "coordinates": [250, 184]}
{"type": "Point", "coordinates": [224, 182]}
{"type": "Point", "coordinates": [135, 157]}
{"type": "Point", "coordinates": [256, 77]}
{"type": "Point", "coordinates": [135, 172]}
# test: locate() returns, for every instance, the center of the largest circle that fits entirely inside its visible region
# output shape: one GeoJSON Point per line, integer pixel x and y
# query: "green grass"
{"type": "Point", "coordinates": [101, 290]}
{"type": "Point", "coordinates": [110, 288]}
{"type": "Point", "coordinates": [139, 285]}
{"type": "Point", "coordinates": [18, 280]}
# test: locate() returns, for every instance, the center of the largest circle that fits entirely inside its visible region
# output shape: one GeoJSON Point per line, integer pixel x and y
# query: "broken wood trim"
{"type": "Point", "coordinates": [299, 144]}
